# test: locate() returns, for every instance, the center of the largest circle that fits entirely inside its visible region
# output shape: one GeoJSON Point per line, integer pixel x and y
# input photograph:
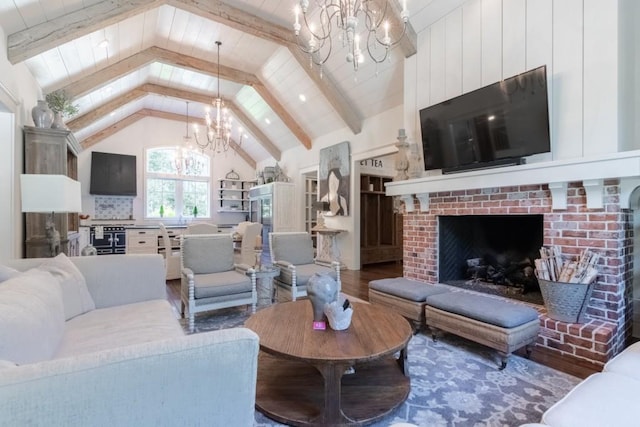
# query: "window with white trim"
{"type": "Point", "coordinates": [178, 183]}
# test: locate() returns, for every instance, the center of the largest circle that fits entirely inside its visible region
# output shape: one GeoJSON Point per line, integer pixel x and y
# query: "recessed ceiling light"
{"type": "Point", "coordinates": [267, 121]}
{"type": "Point", "coordinates": [113, 113]}
{"type": "Point", "coordinates": [104, 44]}
{"type": "Point", "coordinates": [302, 97]}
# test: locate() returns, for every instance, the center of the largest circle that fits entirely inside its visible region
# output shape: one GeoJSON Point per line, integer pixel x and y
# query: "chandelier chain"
{"type": "Point", "coordinates": [218, 128]}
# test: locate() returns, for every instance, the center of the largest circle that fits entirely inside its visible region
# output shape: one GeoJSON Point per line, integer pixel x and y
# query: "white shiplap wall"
{"type": "Point", "coordinates": [485, 41]}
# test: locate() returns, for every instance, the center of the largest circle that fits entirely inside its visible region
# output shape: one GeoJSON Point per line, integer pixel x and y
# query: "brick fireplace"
{"type": "Point", "coordinates": [606, 229]}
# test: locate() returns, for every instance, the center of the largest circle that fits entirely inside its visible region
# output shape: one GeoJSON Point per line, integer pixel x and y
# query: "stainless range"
{"type": "Point", "coordinates": [108, 240]}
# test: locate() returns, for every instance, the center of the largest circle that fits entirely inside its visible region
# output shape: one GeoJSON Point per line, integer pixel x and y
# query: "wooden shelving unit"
{"type": "Point", "coordinates": [233, 195]}
{"type": "Point", "coordinates": [310, 213]}
{"type": "Point", "coordinates": [380, 227]}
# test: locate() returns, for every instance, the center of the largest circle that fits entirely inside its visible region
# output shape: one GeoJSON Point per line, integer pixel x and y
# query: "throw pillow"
{"type": "Point", "coordinates": [31, 317]}
{"type": "Point", "coordinates": [7, 273]}
{"type": "Point", "coordinates": [75, 294]}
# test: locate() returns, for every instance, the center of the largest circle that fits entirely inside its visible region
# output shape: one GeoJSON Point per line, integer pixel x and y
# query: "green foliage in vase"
{"type": "Point", "coordinates": [161, 211]}
{"type": "Point", "coordinates": [195, 211]}
{"type": "Point", "coordinates": [59, 102]}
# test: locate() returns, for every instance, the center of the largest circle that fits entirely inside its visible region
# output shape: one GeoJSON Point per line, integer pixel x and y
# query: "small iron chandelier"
{"type": "Point", "coordinates": [218, 128]}
{"type": "Point", "coordinates": [346, 14]}
{"type": "Point", "coordinates": [185, 161]}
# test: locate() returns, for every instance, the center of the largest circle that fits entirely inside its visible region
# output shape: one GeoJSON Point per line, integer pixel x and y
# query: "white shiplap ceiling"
{"type": "Point", "coordinates": [163, 53]}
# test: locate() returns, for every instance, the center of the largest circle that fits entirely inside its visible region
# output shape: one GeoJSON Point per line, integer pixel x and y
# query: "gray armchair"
{"type": "Point", "coordinates": [210, 280]}
{"type": "Point", "coordinates": [293, 252]}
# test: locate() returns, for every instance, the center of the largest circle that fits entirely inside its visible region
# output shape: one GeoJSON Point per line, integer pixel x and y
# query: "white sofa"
{"type": "Point", "coordinates": [604, 399]}
{"type": "Point", "coordinates": [115, 355]}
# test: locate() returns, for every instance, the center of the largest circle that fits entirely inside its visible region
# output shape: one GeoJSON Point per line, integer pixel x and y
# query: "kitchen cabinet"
{"type": "Point", "coordinates": [233, 195]}
{"type": "Point", "coordinates": [50, 151]}
{"type": "Point", "coordinates": [142, 240]}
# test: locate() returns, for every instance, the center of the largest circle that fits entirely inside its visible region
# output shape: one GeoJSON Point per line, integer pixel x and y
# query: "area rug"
{"type": "Point", "coordinates": [454, 382]}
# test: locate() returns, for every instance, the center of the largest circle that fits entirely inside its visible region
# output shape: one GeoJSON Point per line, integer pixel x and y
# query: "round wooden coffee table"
{"type": "Point", "coordinates": [302, 373]}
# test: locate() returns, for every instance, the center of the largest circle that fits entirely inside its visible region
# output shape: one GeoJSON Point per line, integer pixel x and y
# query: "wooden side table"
{"type": "Point", "coordinates": [264, 279]}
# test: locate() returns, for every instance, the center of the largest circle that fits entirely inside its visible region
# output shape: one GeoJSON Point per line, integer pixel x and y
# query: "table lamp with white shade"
{"type": "Point", "coordinates": [46, 193]}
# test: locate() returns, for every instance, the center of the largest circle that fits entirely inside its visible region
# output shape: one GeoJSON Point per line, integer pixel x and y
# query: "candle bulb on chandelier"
{"type": "Point", "coordinates": [386, 40]}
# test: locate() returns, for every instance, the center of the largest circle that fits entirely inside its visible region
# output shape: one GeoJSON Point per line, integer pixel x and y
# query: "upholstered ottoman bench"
{"type": "Point", "coordinates": [405, 296]}
{"type": "Point", "coordinates": [502, 325]}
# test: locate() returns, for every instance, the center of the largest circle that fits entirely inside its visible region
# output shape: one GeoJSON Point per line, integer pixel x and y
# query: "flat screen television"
{"type": "Point", "coordinates": [113, 174]}
{"type": "Point", "coordinates": [499, 124]}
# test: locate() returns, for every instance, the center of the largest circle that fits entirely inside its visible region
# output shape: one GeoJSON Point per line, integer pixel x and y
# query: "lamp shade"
{"type": "Point", "coordinates": [50, 193]}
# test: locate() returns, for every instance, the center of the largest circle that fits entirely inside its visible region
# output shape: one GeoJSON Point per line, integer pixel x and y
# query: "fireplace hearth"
{"type": "Point", "coordinates": [434, 254]}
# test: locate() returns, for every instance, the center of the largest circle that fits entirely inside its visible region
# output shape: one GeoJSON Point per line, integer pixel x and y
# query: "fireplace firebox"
{"type": "Point", "coordinates": [498, 249]}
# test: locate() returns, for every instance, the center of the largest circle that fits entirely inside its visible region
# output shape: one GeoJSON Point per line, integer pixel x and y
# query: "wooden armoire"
{"type": "Point", "coordinates": [50, 151]}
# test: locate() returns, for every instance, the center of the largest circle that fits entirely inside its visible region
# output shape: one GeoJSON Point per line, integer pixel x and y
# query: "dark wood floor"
{"type": "Point", "coordinates": [356, 283]}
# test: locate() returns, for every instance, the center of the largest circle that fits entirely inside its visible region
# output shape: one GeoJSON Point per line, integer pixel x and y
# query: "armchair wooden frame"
{"type": "Point", "coordinates": [212, 281]}
{"type": "Point", "coordinates": [296, 288]}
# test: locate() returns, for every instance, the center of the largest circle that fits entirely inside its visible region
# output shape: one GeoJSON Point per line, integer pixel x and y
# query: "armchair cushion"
{"type": "Point", "coordinates": [303, 273]}
{"type": "Point", "coordinates": [212, 254]}
{"type": "Point", "coordinates": [297, 248]}
{"type": "Point", "coordinates": [31, 317]}
{"type": "Point", "coordinates": [219, 284]}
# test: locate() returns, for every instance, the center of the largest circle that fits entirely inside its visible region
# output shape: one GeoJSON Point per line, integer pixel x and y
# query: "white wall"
{"type": "Point", "coordinates": [579, 41]}
{"type": "Point", "coordinates": [18, 94]}
{"type": "Point", "coordinates": [154, 132]}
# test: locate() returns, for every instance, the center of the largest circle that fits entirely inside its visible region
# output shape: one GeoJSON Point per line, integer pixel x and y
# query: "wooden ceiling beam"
{"type": "Point", "coordinates": [104, 110]}
{"type": "Point", "coordinates": [107, 132]}
{"type": "Point", "coordinates": [146, 112]}
{"type": "Point", "coordinates": [149, 88]}
{"type": "Point", "coordinates": [108, 74]}
{"type": "Point", "coordinates": [206, 99]}
{"type": "Point", "coordinates": [152, 54]}
{"type": "Point", "coordinates": [235, 18]}
{"type": "Point", "coordinates": [181, 118]}
{"type": "Point", "coordinates": [40, 38]}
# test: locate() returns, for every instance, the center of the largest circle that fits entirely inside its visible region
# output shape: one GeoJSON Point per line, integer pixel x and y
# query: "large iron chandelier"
{"type": "Point", "coordinates": [317, 40]}
{"type": "Point", "coordinates": [218, 128]}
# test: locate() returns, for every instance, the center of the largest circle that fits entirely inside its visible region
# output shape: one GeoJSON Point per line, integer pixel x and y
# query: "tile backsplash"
{"type": "Point", "coordinates": [112, 207]}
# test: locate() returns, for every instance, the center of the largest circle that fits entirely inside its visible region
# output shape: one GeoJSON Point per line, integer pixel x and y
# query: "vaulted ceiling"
{"type": "Point", "coordinates": [123, 60]}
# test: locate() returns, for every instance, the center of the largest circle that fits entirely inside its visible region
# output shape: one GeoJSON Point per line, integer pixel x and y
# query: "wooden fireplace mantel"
{"type": "Point", "coordinates": [591, 171]}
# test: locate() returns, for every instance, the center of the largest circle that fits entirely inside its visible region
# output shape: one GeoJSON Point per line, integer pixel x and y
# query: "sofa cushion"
{"type": "Point", "coordinates": [626, 363]}
{"type": "Point", "coordinates": [7, 273]}
{"type": "Point", "coordinates": [603, 399]}
{"type": "Point", "coordinates": [75, 294]}
{"type": "Point", "coordinates": [118, 326]}
{"type": "Point", "coordinates": [408, 289]}
{"type": "Point", "coordinates": [31, 317]}
{"type": "Point", "coordinates": [494, 311]}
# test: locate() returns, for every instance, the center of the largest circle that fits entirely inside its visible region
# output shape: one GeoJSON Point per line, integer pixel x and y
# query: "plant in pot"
{"type": "Point", "coordinates": [61, 105]}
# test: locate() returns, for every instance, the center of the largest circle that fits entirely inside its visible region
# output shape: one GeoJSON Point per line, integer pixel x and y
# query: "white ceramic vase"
{"type": "Point", "coordinates": [58, 121]}
{"type": "Point", "coordinates": [42, 115]}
